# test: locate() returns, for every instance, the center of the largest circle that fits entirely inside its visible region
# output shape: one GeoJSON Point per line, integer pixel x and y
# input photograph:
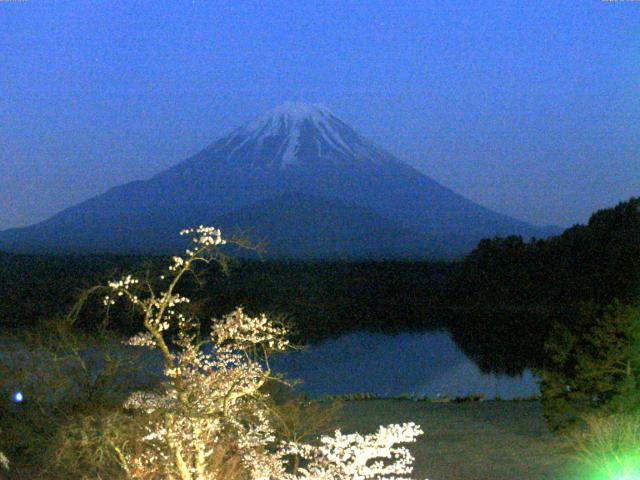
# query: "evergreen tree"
{"type": "Point", "coordinates": [593, 366]}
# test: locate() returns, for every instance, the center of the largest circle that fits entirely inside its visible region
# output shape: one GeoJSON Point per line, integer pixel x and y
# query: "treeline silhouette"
{"type": "Point", "coordinates": [515, 291]}
{"type": "Point", "coordinates": [499, 303]}
{"type": "Point", "coordinates": [317, 299]}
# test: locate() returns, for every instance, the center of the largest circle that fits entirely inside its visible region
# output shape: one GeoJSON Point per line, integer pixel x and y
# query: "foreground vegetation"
{"type": "Point", "coordinates": [210, 414]}
{"type": "Point", "coordinates": [471, 440]}
{"type": "Point", "coordinates": [566, 307]}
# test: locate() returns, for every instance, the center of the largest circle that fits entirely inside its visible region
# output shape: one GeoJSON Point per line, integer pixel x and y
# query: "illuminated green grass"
{"type": "Point", "coordinates": [622, 467]}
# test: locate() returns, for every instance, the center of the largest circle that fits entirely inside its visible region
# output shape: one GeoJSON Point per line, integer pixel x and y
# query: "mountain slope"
{"type": "Point", "coordinates": [303, 226]}
{"type": "Point", "coordinates": [296, 148]}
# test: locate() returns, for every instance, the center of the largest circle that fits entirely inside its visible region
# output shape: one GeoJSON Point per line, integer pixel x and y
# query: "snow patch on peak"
{"type": "Point", "coordinates": [287, 119]}
{"type": "Point", "coordinates": [289, 115]}
{"type": "Point", "coordinates": [294, 133]}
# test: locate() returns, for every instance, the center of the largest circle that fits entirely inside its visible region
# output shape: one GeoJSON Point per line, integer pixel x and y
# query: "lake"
{"type": "Point", "coordinates": [422, 364]}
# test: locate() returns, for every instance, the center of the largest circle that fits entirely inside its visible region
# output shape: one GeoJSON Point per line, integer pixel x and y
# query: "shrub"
{"type": "Point", "coordinates": [73, 386]}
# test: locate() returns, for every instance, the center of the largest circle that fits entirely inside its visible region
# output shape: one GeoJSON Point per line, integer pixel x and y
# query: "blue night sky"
{"type": "Point", "coordinates": [531, 108]}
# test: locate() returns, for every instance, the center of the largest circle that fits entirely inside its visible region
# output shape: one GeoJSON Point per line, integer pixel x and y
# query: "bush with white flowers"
{"type": "Point", "coordinates": [210, 418]}
{"type": "Point", "coordinates": [4, 461]}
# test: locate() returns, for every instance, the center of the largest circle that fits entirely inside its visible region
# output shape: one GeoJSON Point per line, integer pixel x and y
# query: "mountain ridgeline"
{"type": "Point", "coordinates": [298, 179]}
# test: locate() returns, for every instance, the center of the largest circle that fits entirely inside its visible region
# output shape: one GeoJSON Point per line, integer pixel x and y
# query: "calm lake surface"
{"type": "Point", "coordinates": [420, 364]}
{"type": "Point", "coordinates": [390, 365]}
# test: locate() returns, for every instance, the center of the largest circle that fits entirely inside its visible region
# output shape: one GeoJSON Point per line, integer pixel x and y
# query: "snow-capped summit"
{"type": "Point", "coordinates": [296, 133]}
{"type": "Point", "coordinates": [294, 112]}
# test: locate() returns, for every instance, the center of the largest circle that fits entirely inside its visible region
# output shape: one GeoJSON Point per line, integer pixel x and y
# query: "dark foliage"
{"type": "Point", "coordinates": [516, 292]}
{"type": "Point", "coordinates": [593, 365]}
{"type": "Point", "coordinates": [317, 299]}
{"type": "Point", "coordinates": [323, 299]}
{"type": "Point", "coordinates": [38, 288]}
{"type": "Point", "coordinates": [596, 262]}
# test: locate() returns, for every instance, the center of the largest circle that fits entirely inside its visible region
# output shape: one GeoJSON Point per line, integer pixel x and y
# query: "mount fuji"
{"type": "Point", "coordinates": [299, 179]}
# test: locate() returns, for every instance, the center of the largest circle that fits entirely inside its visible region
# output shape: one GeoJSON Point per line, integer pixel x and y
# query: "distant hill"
{"type": "Point", "coordinates": [298, 177]}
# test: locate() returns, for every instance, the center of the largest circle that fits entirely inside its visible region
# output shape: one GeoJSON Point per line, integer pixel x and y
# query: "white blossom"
{"type": "Point", "coordinates": [358, 457]}
{"type": "Point", "coordinates": [241, 330]}
{"type": "Point", "coordinates": [212, 397]}
{"type": "Point", "coordinates": [142, 339]}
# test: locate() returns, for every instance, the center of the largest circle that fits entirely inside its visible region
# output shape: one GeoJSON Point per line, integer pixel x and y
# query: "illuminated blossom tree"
{"type": "Point", "coordinates": [210, 418]}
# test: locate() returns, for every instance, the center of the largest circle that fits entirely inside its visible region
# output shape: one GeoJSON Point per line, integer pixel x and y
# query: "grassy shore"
{"type": "Point", "coordinates": [471, 441]}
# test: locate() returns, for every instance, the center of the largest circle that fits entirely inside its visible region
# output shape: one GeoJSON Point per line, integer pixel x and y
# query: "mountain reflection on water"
{"type": "Point", "coordinates": [421, 364]}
